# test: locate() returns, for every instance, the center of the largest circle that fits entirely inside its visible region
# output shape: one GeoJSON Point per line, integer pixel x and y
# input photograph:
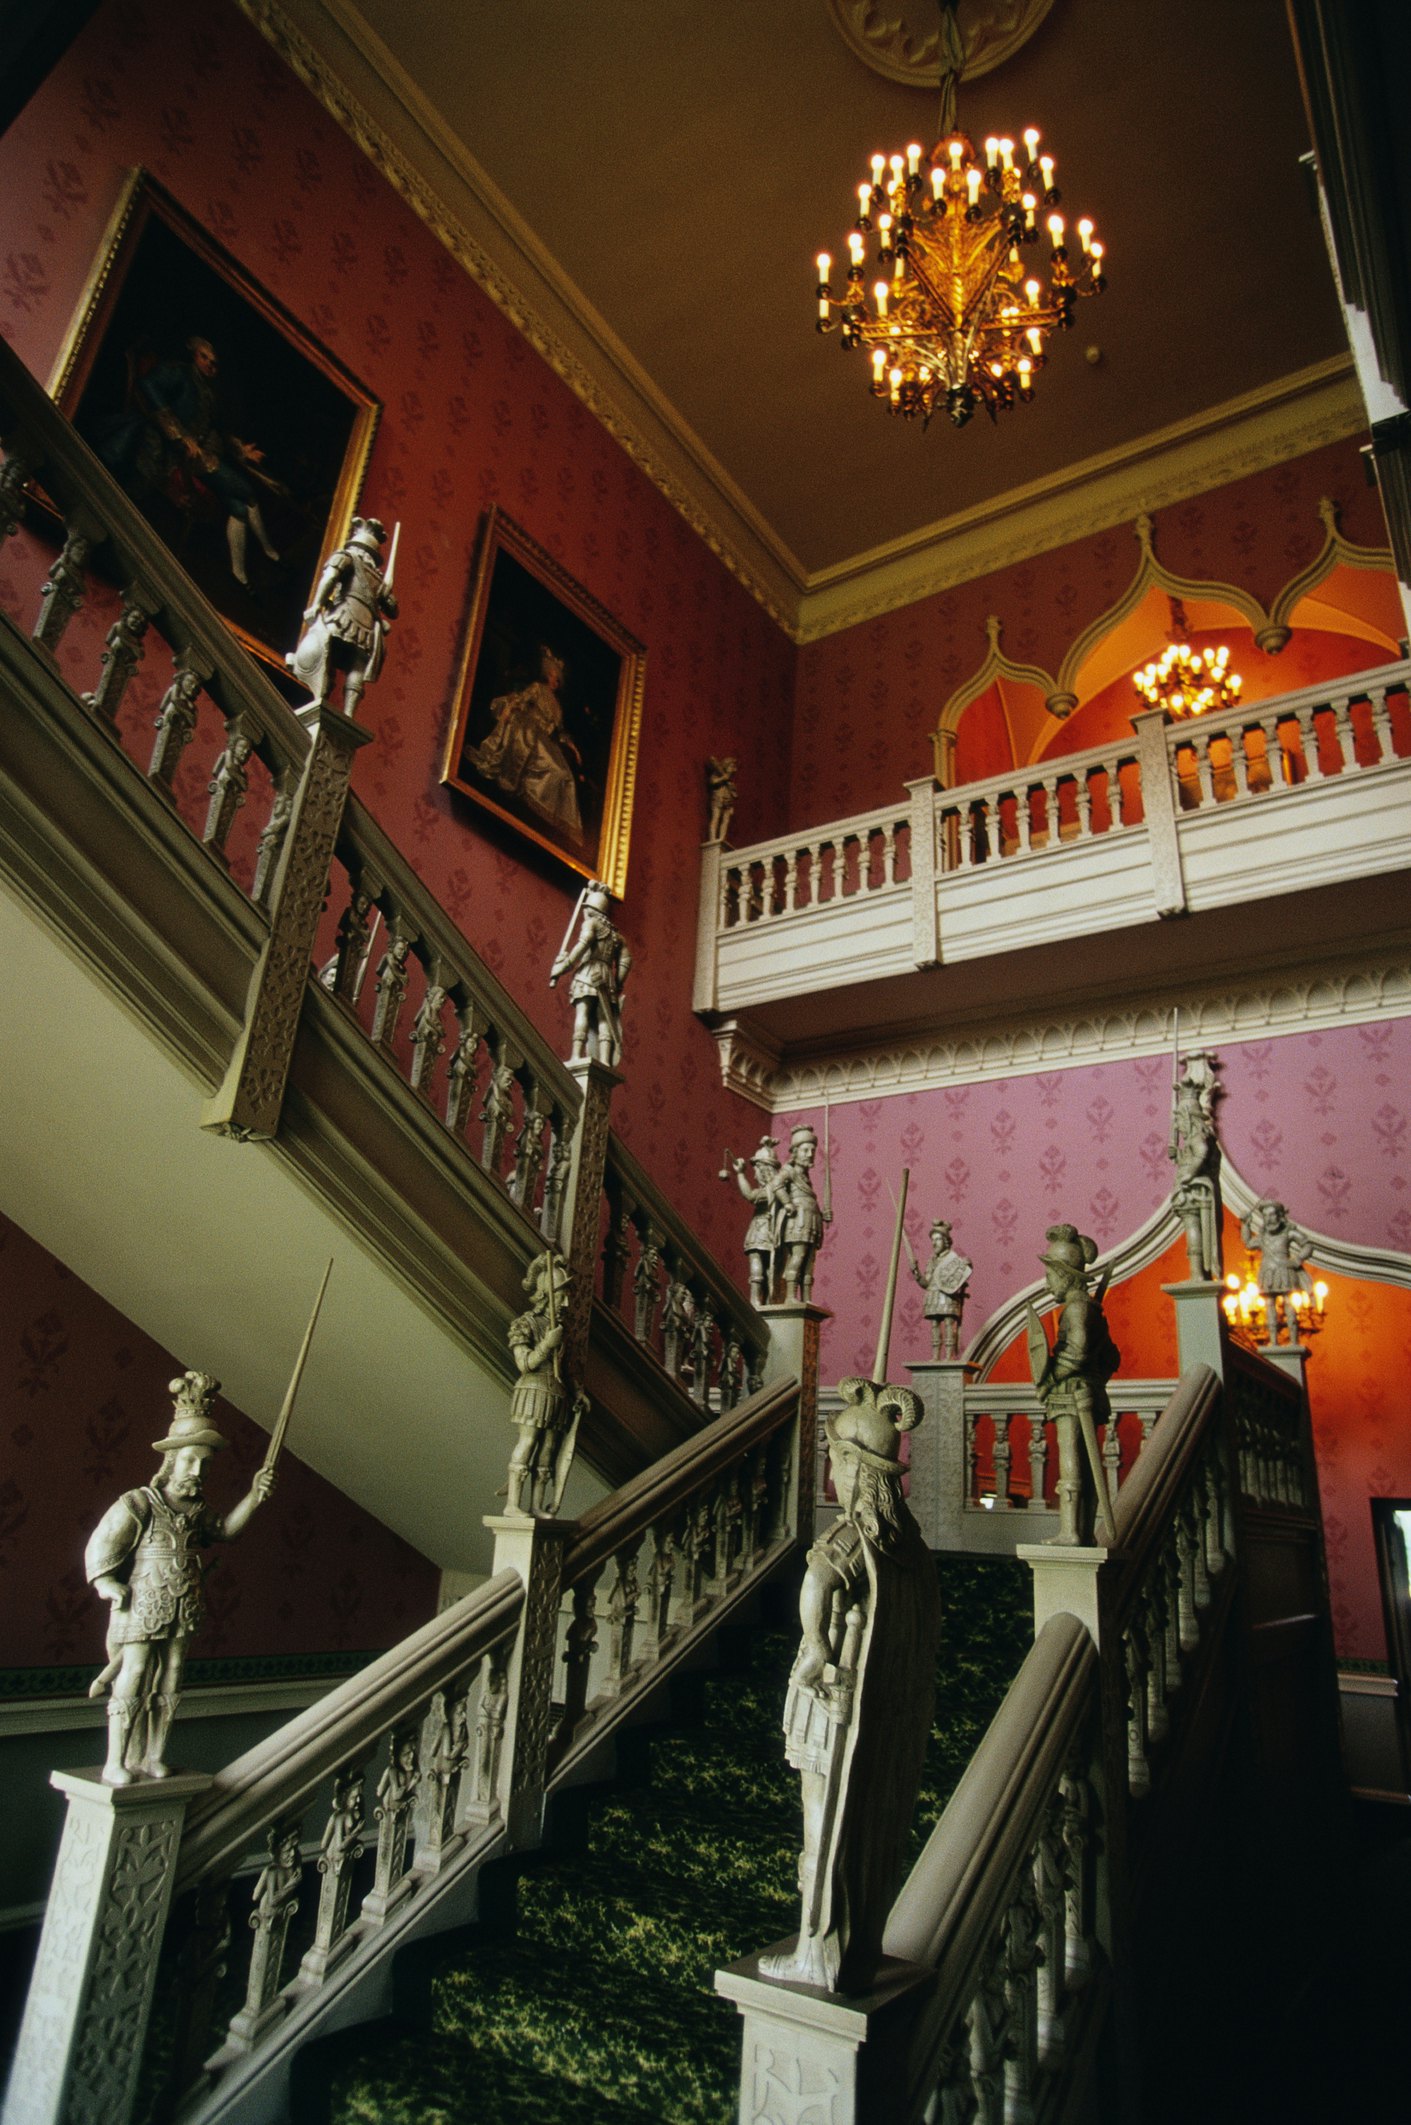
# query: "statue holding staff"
{"type": "Point", "coordinates": [764, 1232]}
{"type": "Point", "coordinates": [347, 622]}
{"type": "Point", "coordinates": [1194, 1149]}
{"type": "Point", "coordinates": [1070, 1379]}
{"type": "Point", "coordinates": [945, 1281]}
{"type": "Point", "coordinates": [143, 1558]}
{"type": "Point", "coordinates": [599, 961]}
{"type": "Point", "coordinates": [803, 1218]}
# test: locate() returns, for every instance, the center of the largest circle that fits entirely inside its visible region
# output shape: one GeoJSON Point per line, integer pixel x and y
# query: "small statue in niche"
{"type": "Point", "coordinates": [346, 625]}
{"type": "Point", "coordinates": [1283, 1249]}
{"type": "Point", "coordinates": [858, 1711]}
{"type": "Point", "coordinates": [599, 962]}
{"type": "Point", "coordinates": [143, 1559]}
{"type": "Point", "coordinates": [1194, 1148]}
{"type": "Point", "coordinates": [1071, 1379]}
{"type": "Point", "coordinates": [546, 1415]}
{"type": "Point", "coordinates": [763, 1234]}
{"type": "Point", "coordinates": [945, 1281]}
{"type": "Point", "coordinates": [802, 1216]}
{"type": "Point", "coordinates": [720, 797]}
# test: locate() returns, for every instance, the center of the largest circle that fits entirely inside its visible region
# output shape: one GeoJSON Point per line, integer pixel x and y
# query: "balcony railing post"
{"type": "Point", "coordinates": [533, 1548]}
{"type": "Point", "coordinates": [85, 2023]}
{"type": "Point", "coordinates": [925, 921]}
{"type": "Point", "coordinates": [940, 1471]}
{"type": "Point", "coordinates": [1168, 884]}
{"type": "Point", "coordinates": [251, 1099]}
{"type": "Point", "coordinates": [582, 1207]}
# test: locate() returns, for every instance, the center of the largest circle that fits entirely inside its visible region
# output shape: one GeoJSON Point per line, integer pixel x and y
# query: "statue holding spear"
{"type": "Point", "coordinates": [143, 1559]}
{"type": "Point", "coordinates": [599, 961]}
{"type": "Point", "coordinates": [1070, 1379]}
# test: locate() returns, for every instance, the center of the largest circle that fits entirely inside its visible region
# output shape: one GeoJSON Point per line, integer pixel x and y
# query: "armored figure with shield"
{"type": "Point", "coordinates": [1070, 1379]}
{"type": "Point", "coordinates": [346, 625]}
{"type": "Point", "coordinates": [599, 961]}
{"type": "Point", "coordinates": [543, 1409]}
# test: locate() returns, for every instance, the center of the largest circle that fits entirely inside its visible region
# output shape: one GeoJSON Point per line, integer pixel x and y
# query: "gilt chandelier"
{"type": "Point", "coordinates": [1187, 682]}
{"type": "Point", "coordinates": [940, 290]}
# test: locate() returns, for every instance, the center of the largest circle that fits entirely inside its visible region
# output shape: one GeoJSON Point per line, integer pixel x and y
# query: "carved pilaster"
{"type": "Point", "coordinates": [826, 2057]}
{"type": "Point", "coordinates": [339, 1853]}
{"type": "Point", "coordinates": [90, 1996]}
{"type": "Point", "coordinates": [925, 927]}
{"type": "Point", "coordinates": [465, 1063]}
{"type": "Point", "coordinates": [396, 1797]}
{"type": "Point", "coordinates": [272, 837]}
{"type": "Point", "coordinates": [534, 1549]}
{"type": "Point", "coordinates": [176, 720]}
{"type": "Point", "coordinates": [122, 655]}
{"type": "Point", "coordinates": [393, 975]}
{"type": "Point", "coordinates": [1168, 883]}
{"type": "Point", "coordinates": [794, 1333]}
{"type": "Point", "coordinates": [229, 785]}
{"type": "Point", "coordinates": [581, 1212]}
{"type": "Point", "coordinates": [63, 592]}
{"type": "Point", "coordinates": [529, 1152]}
{"type": "Point", "coordinates": [249, 1102]}
{"type": "Point", "coordinates": [429, 1032]}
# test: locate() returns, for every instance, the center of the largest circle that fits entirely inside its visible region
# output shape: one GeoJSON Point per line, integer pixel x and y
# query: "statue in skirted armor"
{"type": "Point", "coordinates": [720, 796]}
{"type": "Point", "coordinates": [1283, 1249]}
{"type": "Point", "coordinates": [763, 1234]}
{"type": "Point", "coordinates": [860, 1698]}
{"type": "Point", "coordinates": [599, 961]}
{"type": "Point", "coordinates": [1194, 1149]}
{"type": "Point", "coordinates": [346, 625]}
{"type": "Point", "coordinates": [945, 1281]}
{"type": "Point", "coordinates": [802, 1218]}
{"type": "Point", "coordinates": [144, 1559]}
{"type": "Point", "coordinates": [544, 1410]}
{"type": "Point", "coordinates": [1070, 1379]}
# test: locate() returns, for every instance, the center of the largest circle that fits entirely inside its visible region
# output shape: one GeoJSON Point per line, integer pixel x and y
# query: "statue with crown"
{"type": "Point", "coordinates": [861, 1695]}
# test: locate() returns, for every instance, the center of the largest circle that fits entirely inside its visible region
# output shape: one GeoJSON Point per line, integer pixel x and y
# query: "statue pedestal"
{"type": "Point", "coordinates": [1067, 1582]}
{"type": "Point", "coordinates": [1200, 1324]}
{"type": "Point", "coordinates": [1291, 1359]}
{"type": "Point", "coordinates": [533, 1546]}
{"type": "Point", "coordinates": [794, 1331]}
{"type": "Point", "coordinates": [824, 2055]}
{"type": "Point", "coordinates": [940, 1462]}
{"type": "Point", "coordinates": [94, 1976]}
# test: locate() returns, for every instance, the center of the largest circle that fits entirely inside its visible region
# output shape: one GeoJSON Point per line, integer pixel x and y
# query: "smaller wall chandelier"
{"type": "Point", "coordinates": [954, 316]}
{"type": "Point", "coordinates": [1188, 682]}
{"type": "Point", "coordinates": [1258, 1318]}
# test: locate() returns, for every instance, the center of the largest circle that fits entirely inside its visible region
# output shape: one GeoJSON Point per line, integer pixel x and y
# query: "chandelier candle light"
{"type": "Point", "coordinates": [1188, 682]}
{"type": "Point", "coordinates": [955, 316]}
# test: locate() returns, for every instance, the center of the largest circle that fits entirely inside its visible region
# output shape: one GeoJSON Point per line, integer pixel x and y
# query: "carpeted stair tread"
{"type": "Point", "coordinates": [599, 2005]}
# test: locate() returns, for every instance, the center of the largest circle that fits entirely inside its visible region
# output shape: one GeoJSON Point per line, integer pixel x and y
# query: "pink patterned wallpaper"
{"type": "Point", "coordinates": [1322, 1119]}
{"type": "Point", "coordinates": [82, 1395]}
{"type": "Point", "coordinates": [472, 416]}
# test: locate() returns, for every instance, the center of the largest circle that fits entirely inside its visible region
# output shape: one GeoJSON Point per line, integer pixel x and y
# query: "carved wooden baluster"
{"type": "Point", "coordinates": [1053, 833]}
{"type": "Point", "coordinates": [754, 897]}
{"type": "Point", "coordinates": [702, 1346]}
{"type": "Point", "coordinates": [1169, 1571]}
{"type": "Point", "coordinates": [393, 974]}
{"type": "Point", "coordinates": [791, 881]}
{"type": "Point", "coordinates": [340, 1852]}
{"type": "Point", "coordinates": [1112, 1457]}
{"type": "Point", "coordinates": [428, 1035]}
{"type": "Point", "coordinates": [201, 1963]}
{"type": "Point", "coordinates": [15, 476]}
{"type": "Point", "coordinates": [781, 1486]}
{"type": "Point", "coordinates": [490, 1716]}
{"type": "Point", "coordinates": [646, 1280]}
{"type": "Point", "coordinates": [121, 655]}
{"type": "Point", "coordinates": [464, 1070]}
{"type": "Point", "coordinates": [1158, 1679]}
{"type": "Point", "coordinates": [617, 1247]}
{"type": "Point", "coordinates": [271, 842]}
{"type": "Point", "coordinates": [396, 1798]}
{"type": "Point", "coordinates": [1204, 768]}
{"type": "Point", "coordinates": [580, 1644]}
{"type": "Point", "coordinates": [497, 1110]}
{"type": "Point", "coordinates": [972, 1457]}
{"type": "Point", "coordinates": [1239, 760]}
{"type": "Point", "coordinates": [1038, 1460]}
{"type": "Point", "coordinates": [1308, 744]}
{"type": "Point", "coordinates": [1021, 1954]}
{"type": "Point", "coordinates": [276, 1899]}
{"type": "Point", "coordinates": [1344, 742]}
{"type": "Point", "coordinates": [1273, 751]}
{"type": "Point", "coordinates": [176, 721]}
{"type": "Point", "coordinates": [556, 1179]}
{"type": "Point", "coordinates": [754, 1500]}
{"type": "Point", "coordinates": [889, 855]}
{"type": "Point", "coordinates": [1187, 1544]}
{"type": "Point", "coordinates": [529, 1150]}
{"type": "Point", "coordinates": [729, 898]}
{"type": "Point", "coordinates": [228, 786]}
{"type": "Point", "coordinates": [63, 592]}
{"type": "Point", "coordinates": [1001, 1455]}
{"type": "Point", "coordinates": [1134, 1657]}
{"type": "Point", "coordinates": [691, 1547]}
{"type": "Point", "coordinates": [732, 1371]}
{"type": "Point", "coordinates": [1385, 749]}
{"type": "Point", "coordinates": [1049, 1898]}
{"type": "Point", "coordinates": [1077, 1898]}
{"type": "Point", "coordinates": [1023, 822]}
{"type": "Point", "coordinates": [622, 1614]}
{"type": "Point", "coordinates": [343, 974]}
{"type": "Point", "coordinates": [1147, 1420]}
{"type": "Point", "coordinates": [986, 2027]}
{"type": "Point", "coordinates": [661, 1574]}
{"type": "Point", "coordinates": [675, 1322]}
{"type": "Point", "coordinates": [726, 1513]}
{"type": "Point", "coordinates": [445, 1753]}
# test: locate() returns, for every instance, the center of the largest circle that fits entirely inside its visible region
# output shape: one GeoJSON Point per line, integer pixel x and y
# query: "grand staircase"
{"type": "Point", "coordinates": [585, 1991]}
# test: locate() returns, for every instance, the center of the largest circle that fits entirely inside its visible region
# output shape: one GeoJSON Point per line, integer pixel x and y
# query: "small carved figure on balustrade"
{"type": "Point", "coordinates": [1194, 1148]}
{"type": "Point", "coordinates": [1070, 1379]}
{"type": "Point", "coordinates": [143, 1559]}
{"type": "Point", "coordinates": [528, 1158]}
{"type": "Point", "coordinates": [545, 1412]}
{"type": "Point", "coordinates": [347, 623]}
{"type": "Point", "coordinates": [676, 1311]}
{"type": "Point", "coordinates": [646, 1286]}
{"type": "Point", "coordinates": [556, 1185]}
{"type": "Point", "coordinates": [447, 1758]}
{"type": "Point", "coordinates": [858, 1712]}
{"type": "Point", "coordinates": [276, 1899]}
{"type": "Point", "coordinates": [720, 797]}
{"type": "Point", "coordinates": [227, 788]}
{"type": "Point", "coordinates": [1283, 1248]}
{"type": "Point", "coordinates": [803, 1220]}
{"type": "Point", "coordinates": [497, 1115]}
{"type": "Point", "coordinates": [945, 1281]}
{"type": "Point", "coordinates": [490, 1730]}
{"type": "Point", "coordinates": [599, 961]}
{"type": "Point", "coordinates": [765, 1230]}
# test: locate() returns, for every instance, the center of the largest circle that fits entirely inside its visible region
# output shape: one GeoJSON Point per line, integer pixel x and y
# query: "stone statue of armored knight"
{"type": "Point", "coordinates": [143, 1558]}
{"type": "Point", "coordinates": [1194, 1149]}
{"type": "Point", "coordinates": [346, 625]}
{"type": "Point", "coordinates": [1283, 1248]}
{"type": "Point", "coordinates": [764, 1233]}
{"type": "Point", "coordinates": [803, 1219]}
{"type": "Point", "coordinates": [1070, 1379]}
{"type": "Point", "coordinates": [720, 795]}
{"type": "Point", "coordinates": [544, 1409]}
{"type": "Point", "coordinates": [945, 1280]}
{"type": "Point", "coordinates": [599, 961]}
{"type": "Point", "coordinates": [860, 1698]}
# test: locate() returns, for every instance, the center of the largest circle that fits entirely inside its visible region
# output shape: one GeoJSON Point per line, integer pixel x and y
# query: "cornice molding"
{"type": "Point", "coordinates": [1282, 420]}
{"type": "Point", "coordinates": [1311, 999]}
{"type": "Point", "coordinates": [351, 72]}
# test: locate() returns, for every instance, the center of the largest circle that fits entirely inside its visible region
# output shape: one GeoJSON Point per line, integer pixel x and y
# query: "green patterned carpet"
{"type": "Point", "coordinates": [600, 2004]}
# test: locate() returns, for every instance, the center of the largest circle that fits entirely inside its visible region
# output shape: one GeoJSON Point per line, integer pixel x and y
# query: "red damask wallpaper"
{"type": "Point", "coordinates": [1322, 1120]}
{"type": "Point", "coordinates": [472, 416]}
{"type": "Point", "coordinates": [82, 1395]}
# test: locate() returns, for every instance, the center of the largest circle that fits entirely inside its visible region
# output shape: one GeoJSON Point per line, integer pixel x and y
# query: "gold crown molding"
{"type": "Point", "coordinates": [889, 40]}
{"type": "Point", "coordinates": [1284, 419]}
{"type": "Point", "coordinates": [1313, 999]}
{"type": "Point", "coordinates": [336, 54]}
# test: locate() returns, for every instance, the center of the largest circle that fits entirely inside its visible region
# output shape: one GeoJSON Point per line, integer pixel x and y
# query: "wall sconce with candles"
{"type": "Point", "coordinates": [1276, 1300]}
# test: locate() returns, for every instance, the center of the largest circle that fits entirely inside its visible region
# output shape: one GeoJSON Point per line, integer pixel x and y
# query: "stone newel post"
{"type": "Point", "coordinates": [794, 1333]}
{"type": "Point", "coordinates": [533, 1548]}
{"type": "Point", "coordinates": [582, 1204]}
{"type": "Point", "coordinates": [90, 1997]}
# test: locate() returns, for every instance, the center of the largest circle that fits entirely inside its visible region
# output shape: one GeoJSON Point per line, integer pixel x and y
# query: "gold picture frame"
{"type": "Point", "coordinates": [272, 433]}
{"type": "Point", "coordinates": [547, 712]}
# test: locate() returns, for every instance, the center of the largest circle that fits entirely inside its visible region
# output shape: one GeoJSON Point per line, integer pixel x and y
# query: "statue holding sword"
{"type": "Point", "coordinates": [143, 1559]}
{"type": "Point", "coordinates": [599, 961]}
{"type": "Point", "coordinates": [347, 622]}
{"type": "Point", "coordinates": [1071, 1379]}
{"type": "Point", "coordinates": [945, 1281]}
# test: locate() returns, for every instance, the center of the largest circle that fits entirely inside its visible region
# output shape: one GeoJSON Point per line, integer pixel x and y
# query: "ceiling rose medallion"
{"type": "Point", "coordinates": [900, 40]}
{"type": "Point", "coordinates": [956, 317]}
